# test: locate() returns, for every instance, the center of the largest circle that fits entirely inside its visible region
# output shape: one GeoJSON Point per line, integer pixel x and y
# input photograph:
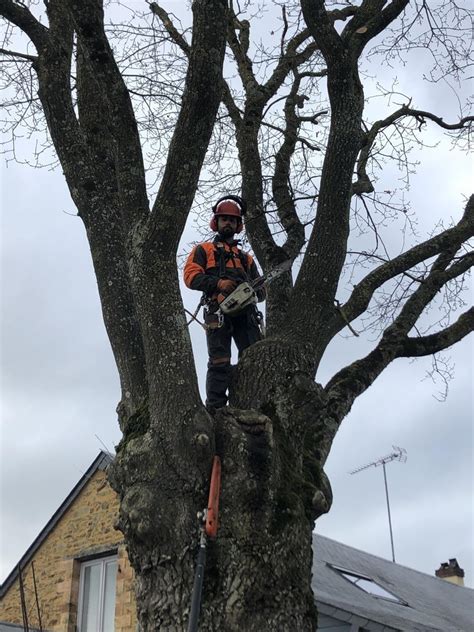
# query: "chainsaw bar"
{"type": "Point", "coordinates": [244, 294]}
{"type": "Point", "coordinates": [267, 278]}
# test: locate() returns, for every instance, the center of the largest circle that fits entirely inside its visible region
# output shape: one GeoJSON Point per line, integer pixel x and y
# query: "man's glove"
{"type": "Point", "coordinates": [225, 287]}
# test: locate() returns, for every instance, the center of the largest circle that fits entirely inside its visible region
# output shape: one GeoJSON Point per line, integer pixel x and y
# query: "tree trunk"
{"type": "Point", "coordinates": [258, 573]}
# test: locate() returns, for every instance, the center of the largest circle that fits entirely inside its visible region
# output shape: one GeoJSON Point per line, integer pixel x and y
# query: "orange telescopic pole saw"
{"type": "Point", "coordinates": [209, 524]}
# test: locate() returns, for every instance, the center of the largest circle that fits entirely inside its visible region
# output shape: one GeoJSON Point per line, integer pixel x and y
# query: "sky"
{"type": "Point", "coordinates": [59, 386]}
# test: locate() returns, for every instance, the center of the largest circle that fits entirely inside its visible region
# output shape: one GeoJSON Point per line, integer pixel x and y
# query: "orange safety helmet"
{"type": "Point", "coordinates": [232, 205]}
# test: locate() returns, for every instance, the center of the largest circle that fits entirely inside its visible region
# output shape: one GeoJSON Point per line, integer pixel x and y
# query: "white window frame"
{"type": "Point", "coordinates": [97, 561]}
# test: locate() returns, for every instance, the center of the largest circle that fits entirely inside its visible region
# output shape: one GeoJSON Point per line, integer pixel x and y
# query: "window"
{"type": "Point", "coordinates": [97, 595]}
{"type": "Point", "coordinates": [367, 584]}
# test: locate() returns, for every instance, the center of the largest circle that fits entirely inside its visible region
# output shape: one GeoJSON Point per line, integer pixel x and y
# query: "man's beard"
{"type": "Point", "coordinates": [227, 232]}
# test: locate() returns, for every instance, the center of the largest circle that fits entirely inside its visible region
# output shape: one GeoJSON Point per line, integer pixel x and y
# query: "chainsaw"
{"type": "Point", "coordinates": [245, 293]}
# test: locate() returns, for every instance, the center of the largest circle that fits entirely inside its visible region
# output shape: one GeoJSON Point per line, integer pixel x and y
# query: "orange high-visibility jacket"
{"type": "Point", "coordinates": [214, 260]}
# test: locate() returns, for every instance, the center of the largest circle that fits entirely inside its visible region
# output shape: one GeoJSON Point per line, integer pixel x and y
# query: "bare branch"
{"type": "Point", "coordinates": [438, 276]}
{"type": "Point", "coordinates": [13, 53]}
{"type": "Point", "coordinates": [291, 59]}
{"type": "Point", "coordinates": [229, 101]}
{"type": "Point", "coordinates": [428, 345]}
{"type": "Point", "coordinates": [353, 380]}
{"type": "Point", "coordinates": [54, 71]}
{"type": "Point", "coordinates": [450, 238]}
{"type": "Point", "coordinates": [244, 63]}
{"type": "Point", "coordinates": [421, 115]}
{"type": "Point", "coordinates": [363, 183]}
{"type": "Point", "coordinates": [179, 39]}
{"type": "Point", "coordinates": [173, 32]}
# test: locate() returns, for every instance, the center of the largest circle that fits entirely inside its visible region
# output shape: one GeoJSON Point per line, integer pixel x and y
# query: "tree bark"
{"type": "Point", "coordinates": [258, 574]}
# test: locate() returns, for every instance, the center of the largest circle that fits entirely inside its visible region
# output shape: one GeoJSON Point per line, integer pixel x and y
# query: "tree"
{"type": "Point", "coordinates": [275, 438]}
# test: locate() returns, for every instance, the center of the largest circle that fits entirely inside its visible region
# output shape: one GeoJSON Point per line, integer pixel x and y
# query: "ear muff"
{"type": "Point", "coordinates": [213, 225]}
{"type": "Point", "coordinates": [235, 198]}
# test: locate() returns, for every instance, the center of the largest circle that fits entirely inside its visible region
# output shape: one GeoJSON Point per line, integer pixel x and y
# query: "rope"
{"type": "Point", "coordinates": [194, 317]}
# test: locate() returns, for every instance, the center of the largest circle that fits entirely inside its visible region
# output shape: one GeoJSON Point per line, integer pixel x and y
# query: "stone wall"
{"type": "Point", "coordinates": [85, 531]}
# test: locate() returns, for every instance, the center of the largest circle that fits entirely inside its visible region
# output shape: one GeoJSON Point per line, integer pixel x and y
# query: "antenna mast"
{"type": "Point", "coordinates": [398, 454]}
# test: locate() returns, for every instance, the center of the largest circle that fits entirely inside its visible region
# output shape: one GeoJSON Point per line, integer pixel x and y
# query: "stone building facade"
{"type": "Point", "coordinates": [79, 535]}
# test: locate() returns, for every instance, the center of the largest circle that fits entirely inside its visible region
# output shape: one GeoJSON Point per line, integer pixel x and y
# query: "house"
{"type": "Point", "coordinates": [76, 576]}
{"type": "Point", "coordinates": [80, 565]}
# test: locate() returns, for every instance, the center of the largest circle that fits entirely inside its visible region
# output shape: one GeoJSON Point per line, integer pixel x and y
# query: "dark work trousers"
{"type": "Point", "coordinates": [245, 331]}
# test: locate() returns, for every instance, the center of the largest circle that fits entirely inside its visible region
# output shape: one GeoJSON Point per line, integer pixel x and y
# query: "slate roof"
{"type": "Point", "coordinates": [429, 604]}
{"type": "Point", "coordinates": [432, 604]}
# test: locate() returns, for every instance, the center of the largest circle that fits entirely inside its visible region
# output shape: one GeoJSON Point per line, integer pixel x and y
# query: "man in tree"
{"type": "Point", "coordinates": [216, 268]}
{"type": "Point", "coordinates": [307, 193]}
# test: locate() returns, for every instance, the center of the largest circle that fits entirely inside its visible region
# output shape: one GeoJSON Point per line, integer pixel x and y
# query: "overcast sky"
{"type": "Point", "coordinates": [59, 386]}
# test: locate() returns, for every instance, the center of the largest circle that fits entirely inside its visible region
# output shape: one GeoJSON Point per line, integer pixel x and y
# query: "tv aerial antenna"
{"type": "Point", "coordinates": [398, 454]}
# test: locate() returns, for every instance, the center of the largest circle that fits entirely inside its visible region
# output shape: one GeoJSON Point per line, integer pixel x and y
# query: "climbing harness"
{"type": "Point", "coordinates": [208, 522]}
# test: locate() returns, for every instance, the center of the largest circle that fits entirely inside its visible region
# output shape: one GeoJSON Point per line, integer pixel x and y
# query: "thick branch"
{"type": "Point", "coordinates": [258, 230]}
{"type": "Point", "coordinates": [351, 382]}
{"type": "Point", "coordinates": [88, 19]}
{"type": "Point", "coordinates": [279, 294]}
{"type": "Point", "coordinates": [322, 29]}
{"type": "Point", "coordinates": [342, 14]}
{"type": "Point", "coordinates": [102, 217]}
{"type": "Point", "coordinates": [421, 115]}
{"type": "Point", "coordinates": [370, 20]}
{"type": "Point", "coordinates": [239, 51]}
{"type": "Point", "coordinates": [54, 70]}
{"type": "Point", "coordinates": [21, 17]}
{"type": "Point", "coordinates": [320, 271]}
{"type": "Point", "coordinates": [92, 183]}
{"type": "Point", "coordinates": [291, 58]}
{"type": "Point", "coordinates": [428, 345]}
{"type": "Point", "coordinates": [281, 178]}
{"type": "Point", "coordinates": [200, 102]}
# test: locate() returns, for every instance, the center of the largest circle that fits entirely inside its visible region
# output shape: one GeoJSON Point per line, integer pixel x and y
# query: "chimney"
{"type": "Point", "coordinates": [451, 572]}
